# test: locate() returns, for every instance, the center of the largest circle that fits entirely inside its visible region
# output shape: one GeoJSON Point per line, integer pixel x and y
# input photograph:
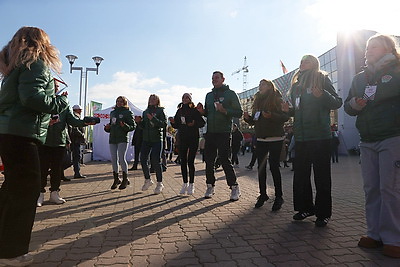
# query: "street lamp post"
{"type": "Point", "coordinates": [97, 60]}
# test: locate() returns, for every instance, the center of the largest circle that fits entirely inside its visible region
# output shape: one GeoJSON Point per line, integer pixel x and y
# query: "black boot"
{"type": "Point", "coordinates": [125, 181]}
{"type": "Point", "coordinates": [116, 181]}
{"type": "Point", "coordinates": [134, 167]}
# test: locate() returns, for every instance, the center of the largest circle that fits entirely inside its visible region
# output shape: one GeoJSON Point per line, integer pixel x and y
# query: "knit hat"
{"type": "Point", "coordinates": [76, 107]}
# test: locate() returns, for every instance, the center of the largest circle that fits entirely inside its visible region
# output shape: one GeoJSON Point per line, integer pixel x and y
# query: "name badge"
{"type": "Point", "coordinates": [369, 93]}
{"type": "Point", "coordinates": [297, 103]}
{"type": "Point", "coordinates": [113, 120]}
{"type": "Point", "coordinates": [183, 121]}
{"type": "Point", "coordinates": [257, 115]}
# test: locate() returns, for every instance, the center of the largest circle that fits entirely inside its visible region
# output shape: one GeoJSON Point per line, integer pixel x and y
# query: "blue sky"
{"type": "Point", "coordinates": [170, 47]}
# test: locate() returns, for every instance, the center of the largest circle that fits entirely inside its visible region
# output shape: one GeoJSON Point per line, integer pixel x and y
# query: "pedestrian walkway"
{"type": "Point", "coordinates": [102, 227]}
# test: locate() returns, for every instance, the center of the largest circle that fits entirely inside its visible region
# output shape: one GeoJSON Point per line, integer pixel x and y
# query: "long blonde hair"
{"type": "Point", "coordinates": [387, 42]}
{"type": "Point", "coordinates": [312, 78]}
{"type": "Point", "coordinates": [27, 46]}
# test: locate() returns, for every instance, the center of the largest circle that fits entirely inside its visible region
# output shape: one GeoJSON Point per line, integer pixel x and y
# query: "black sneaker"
{"type": "Point", "coordinates": [302, 215]}
{"type": "Point", "coordinates": [322, 222]}
{"type": "Point", "coordinates": [277, 204]}
{"type": "Point", "coordinates": [260, 201]}
{"type": "Point", "coordinates": [249, 167]}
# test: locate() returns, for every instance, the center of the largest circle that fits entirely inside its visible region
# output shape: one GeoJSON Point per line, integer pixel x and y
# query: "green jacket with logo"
{"type": "Point", "coordinates": [118, 133]}
{"type": "Point", "coordinates": [380, 118]}
{"type": "Point", "coordinates": [26, 101]}
{"type": "Point", "coordinates": [153, 129]}
{"type": "Point", "coordinates": [218, 122]}
{"type": "Point", "coordinates": [312, 116]}
{"type": "Point", "coordinates": [57, 131]}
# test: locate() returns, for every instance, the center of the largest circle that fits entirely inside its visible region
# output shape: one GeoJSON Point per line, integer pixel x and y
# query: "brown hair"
{"type": "Point", "coordinates": [270, 101]}
{"type": "Point", "coordinates": [125, 105]}
{"type": "Point", "coordinates": [28, 45]}
{"type": "Point", "coordinates": [156, 97]}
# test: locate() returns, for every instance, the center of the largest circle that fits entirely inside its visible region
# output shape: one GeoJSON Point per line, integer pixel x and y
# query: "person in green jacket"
{"type": "Point", "coordinates": [221, 105]}
{"type": "Point", "coordinates": [153, 122]}
{"type": "Point", "coordinates": [121, 122]}
{"type": "Point", "coordinates": [52, 152]}
{"type": "Point", "coordinates": [26, 101]}
{"type": "Point", "coordinates": [313, 97]}
{"type": "Point", "coordinates": [374, 97]}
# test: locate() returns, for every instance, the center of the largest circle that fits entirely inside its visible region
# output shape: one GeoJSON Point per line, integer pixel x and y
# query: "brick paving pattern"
{"type": "Point", "coordinates": [98, 226]}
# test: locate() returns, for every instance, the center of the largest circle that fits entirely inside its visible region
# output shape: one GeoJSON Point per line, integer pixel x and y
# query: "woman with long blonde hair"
{"type": "Point", "coordinates": [27, 98]}
{"type": "Point", "coordinates": [313, 97]}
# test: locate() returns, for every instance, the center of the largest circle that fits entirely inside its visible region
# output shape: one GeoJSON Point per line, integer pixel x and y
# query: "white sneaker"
{"type": "Point", "coordinates": [40, 200]}
{"type": "Point", "coordinates": [190, 189]}
{"type": "Point", "coordinates": [184, 188]}
{"type": "Point", "coordinates": [55, 198]}
{"type": "Point", "coordinates": [235, 193]}
{"type": "Point", "coordinates": [210, 191]}
{"type": "Point", "coordinates": [22, 260]}
{"type": "Point", "coordinates": [147, 184]}
{"type": "Point", "coordinates": [158, 188]}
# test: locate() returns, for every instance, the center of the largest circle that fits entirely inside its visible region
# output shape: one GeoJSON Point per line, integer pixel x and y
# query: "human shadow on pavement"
{"type": "Point", "coordinates": [146, 225]}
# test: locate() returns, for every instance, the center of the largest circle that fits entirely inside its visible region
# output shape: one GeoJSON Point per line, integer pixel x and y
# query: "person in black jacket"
{"type": "Point", "coordinates": [268, 119]}
{"type": "Point", "coordinates": [237, 138]}
{"type": "Point", "coordinates": [77, 137]}
{"type": "Point", "coordinates": [187, 120]}
{"type": "Point", "coordinates": [137, 144]}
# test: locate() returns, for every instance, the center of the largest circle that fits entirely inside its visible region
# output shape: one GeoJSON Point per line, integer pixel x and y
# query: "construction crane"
{"type": "Point", "coordinates": [244, 70]}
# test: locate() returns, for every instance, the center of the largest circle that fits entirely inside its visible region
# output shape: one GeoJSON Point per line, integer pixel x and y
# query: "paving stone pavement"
{"type": "Point", "coordinates": [98, 226]}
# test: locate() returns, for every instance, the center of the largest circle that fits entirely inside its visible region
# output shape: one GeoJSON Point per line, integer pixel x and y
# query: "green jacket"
{"type": "Point", "coordinates": [153, 129]}
{"type": "Point", "coordinates": [26, 101]}
{"type": "Point", "coordinates": [380, 118]}
{"type": "Point", "coordinates": [118, 133]}
{"type": "Point", "coordinates": [218, 122]}
{"type": "Point", "coordinates": [57, 132]}
{"type": "Point", "coordinates": [312, 116]}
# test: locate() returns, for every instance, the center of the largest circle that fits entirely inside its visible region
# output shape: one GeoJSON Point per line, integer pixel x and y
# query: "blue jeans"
{"type": "Point", "coordinates": [153, 149]}
{"type": "Point", "coordinates": [118, 154]}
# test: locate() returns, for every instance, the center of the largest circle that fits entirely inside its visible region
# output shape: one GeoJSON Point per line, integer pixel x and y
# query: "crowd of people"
{"type": "Point", "coordinates": [35, 118]}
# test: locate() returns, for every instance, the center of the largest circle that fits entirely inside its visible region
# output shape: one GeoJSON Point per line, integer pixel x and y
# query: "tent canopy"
{"type": "Point", "coordinates": [101, 149]}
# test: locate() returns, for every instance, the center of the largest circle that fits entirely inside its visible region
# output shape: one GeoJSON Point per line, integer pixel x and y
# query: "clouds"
{"type": "Point", "coordinates": [137, 88]}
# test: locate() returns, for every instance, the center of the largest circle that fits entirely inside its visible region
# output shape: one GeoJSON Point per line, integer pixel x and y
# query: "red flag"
{"type": "Point", "coordinates": [284, 69]}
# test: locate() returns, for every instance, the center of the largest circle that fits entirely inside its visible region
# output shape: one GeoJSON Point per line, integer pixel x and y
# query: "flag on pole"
{"type": "Point", "coordinates": [284, 69]}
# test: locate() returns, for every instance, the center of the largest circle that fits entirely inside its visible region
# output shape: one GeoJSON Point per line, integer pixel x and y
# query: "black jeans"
{"type": "Point", "coordinates": [153, 149]}
{"type": "Point", "coordinates": [18, 194]}
{"type": "Point", "coordinates": [253, 157]}
{"type": "Point", "coordinates": [270, 151]}
{"type": "Point", "coordinates": [76, 158]}
{"type": "Point", "coordinates": [187, 152]}
{"type": "Point", "coordinates": [137, 148]}
{"type": "Point", "coordinates": [235, 152]}
{"type": "Point", "coordinates": [51, 158]}
{"type": "Point", "coordinates": [219, 143]}
{"type": "Point", "coordinates": [315, 154]}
